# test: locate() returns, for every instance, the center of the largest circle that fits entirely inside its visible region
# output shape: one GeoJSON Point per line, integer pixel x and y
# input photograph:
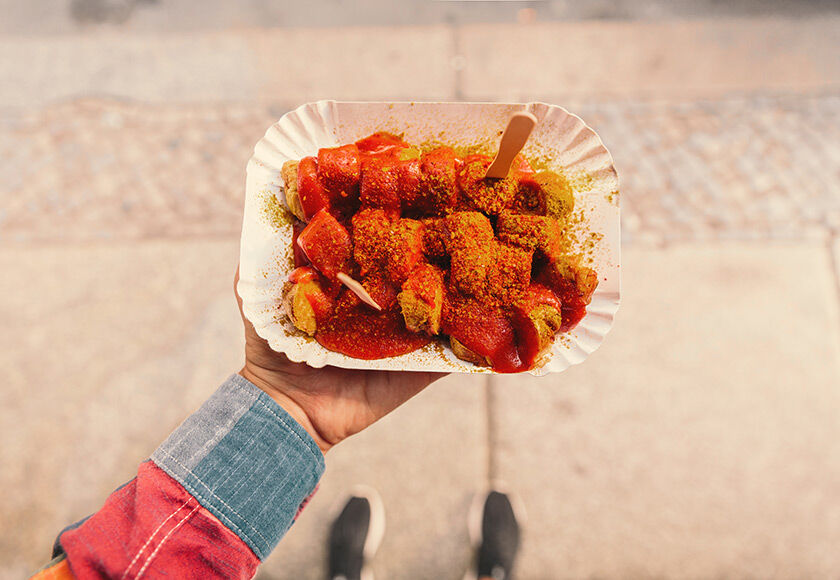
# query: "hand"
{"type": "Point", "coordinates": [330, 403]}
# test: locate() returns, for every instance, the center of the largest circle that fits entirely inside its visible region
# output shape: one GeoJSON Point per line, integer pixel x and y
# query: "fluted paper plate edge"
{"type": "Point", "coordinates": [561, 139]}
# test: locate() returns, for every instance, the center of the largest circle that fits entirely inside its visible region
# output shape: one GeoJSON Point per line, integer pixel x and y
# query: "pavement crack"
{"type": "Point", "coordinates": [491, 473]}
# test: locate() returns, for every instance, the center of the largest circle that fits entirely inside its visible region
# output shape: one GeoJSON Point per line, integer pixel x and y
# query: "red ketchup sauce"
{"type": "Point", "coordinates": [574, 305]}
{"type": "Point", "coordinates": [359, 331]}
{"type": "Point", "coordinates": [527, 334]}
{"type": "Point", "coordinates": [488, 332]}
{"type": "Point", "coordinates": [298, 255]}
{"type": "Point", "coordinates": [371, 174]}
{"type": "Point", "coordinates": [313, 197]}
{"type": "Point", "coordinates": [321, 299]}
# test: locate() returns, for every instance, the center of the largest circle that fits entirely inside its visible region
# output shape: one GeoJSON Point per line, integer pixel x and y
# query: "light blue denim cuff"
{"type": "Point", "coordinates": [246, 460]}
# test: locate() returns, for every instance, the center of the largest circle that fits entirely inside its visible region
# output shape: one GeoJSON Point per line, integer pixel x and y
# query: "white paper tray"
{"type": "Point", "coordinates": [561, 140]}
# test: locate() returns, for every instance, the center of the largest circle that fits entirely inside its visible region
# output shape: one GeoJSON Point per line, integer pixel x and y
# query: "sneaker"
{"type": "Point", "coordinates": [355, 536]}
{"type": "Point", "coordinates": [495, 533]}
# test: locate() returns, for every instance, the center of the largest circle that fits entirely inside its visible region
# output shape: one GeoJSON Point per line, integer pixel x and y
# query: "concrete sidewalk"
{"type": "Point", "coordinates": [566, 61]}
{"type": "Point", "coordinates": [700, 441]}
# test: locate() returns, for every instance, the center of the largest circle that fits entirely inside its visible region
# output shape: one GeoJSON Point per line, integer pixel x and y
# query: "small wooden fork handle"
{"type": "Point", "coordinates": [513, 140]}
{"type": "Point", "coordinates": [358, 290]}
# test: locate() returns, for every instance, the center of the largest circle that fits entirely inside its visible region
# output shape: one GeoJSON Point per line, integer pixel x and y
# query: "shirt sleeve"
{"type": "Point", "coordinates": [213, 500]}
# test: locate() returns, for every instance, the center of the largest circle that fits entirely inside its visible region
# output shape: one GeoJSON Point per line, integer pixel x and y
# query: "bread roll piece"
{"type": "Point", "coordinates": [305, 300]}
{"type": "Point", "coordinates": [299, 309]}
{"type": "Point", "coordinates": [463, 353]}
{"type": "Point", "coordinates": [421, 299]}
{"type": "Point", "coordinates": [559, 198]}
{"type": "Point", "coordinates": [569, 268]}
{"type": "Point", "coordinates": [289, 173]}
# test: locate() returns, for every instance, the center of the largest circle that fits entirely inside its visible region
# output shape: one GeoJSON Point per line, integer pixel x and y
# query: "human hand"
{"type": "Point", "coordinates": [330, 403]}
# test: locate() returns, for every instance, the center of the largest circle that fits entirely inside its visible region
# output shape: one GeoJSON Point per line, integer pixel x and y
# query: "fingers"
{"type": "Point", "coordinates": [236, 291]}
{"type": "Point", "coordinates": [436, 376]}
{"type": "Point", "coordinates": [404, 385]}
{"type": "Point", "coordinates": [250, 333]}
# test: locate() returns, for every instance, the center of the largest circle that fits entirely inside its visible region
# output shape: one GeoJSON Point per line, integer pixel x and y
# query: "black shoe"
{"type": "Point", "coordinates": [494, 529]}
{"type": "Point", "coordinates": [355, 535]}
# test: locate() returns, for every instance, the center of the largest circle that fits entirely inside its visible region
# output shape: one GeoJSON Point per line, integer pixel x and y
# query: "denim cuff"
{"type": "Point", "coordinates": [246, 460]}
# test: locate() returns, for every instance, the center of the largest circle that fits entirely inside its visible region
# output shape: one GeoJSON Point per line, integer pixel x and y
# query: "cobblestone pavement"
{"type": "Point", "coordinates": [753, 168]}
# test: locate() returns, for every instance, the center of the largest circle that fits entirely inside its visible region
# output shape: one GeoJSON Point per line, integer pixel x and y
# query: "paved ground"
{"type": "Point", "coordinates": [744, 167]}
{"type": "Point", "coordinates": [46, 16]}
{"type": "Point", "coordinates": [699, 441]}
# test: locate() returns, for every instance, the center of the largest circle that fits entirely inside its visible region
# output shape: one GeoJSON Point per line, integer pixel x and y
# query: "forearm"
{"type": "Point", "coordinates": [214, 499]}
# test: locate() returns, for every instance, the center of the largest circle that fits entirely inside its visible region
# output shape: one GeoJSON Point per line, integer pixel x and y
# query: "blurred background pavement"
{"type": "Point", "coordinates": [702, 439]}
